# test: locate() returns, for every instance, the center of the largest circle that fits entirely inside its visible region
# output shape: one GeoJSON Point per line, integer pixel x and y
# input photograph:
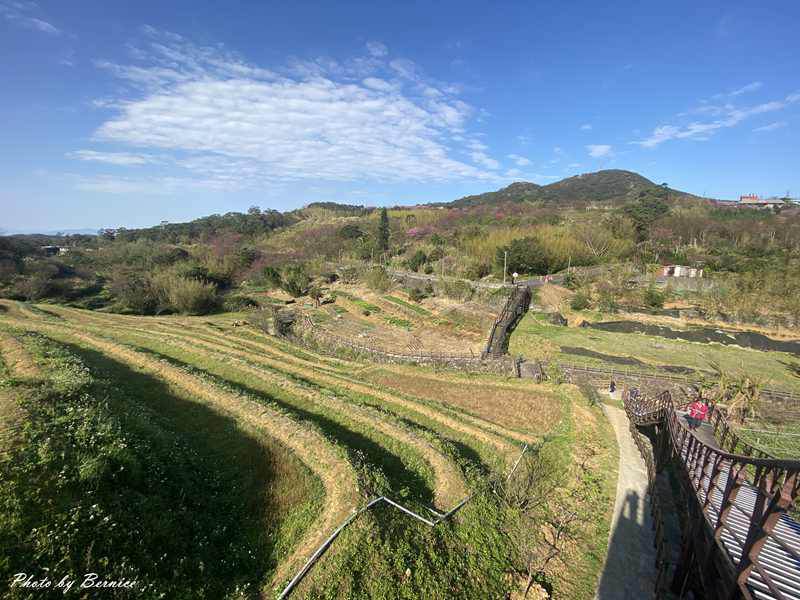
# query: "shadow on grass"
{"type": "Point", "coordinates": [400, 476]}
{"type": "Point", "coordinates": [268, 481]}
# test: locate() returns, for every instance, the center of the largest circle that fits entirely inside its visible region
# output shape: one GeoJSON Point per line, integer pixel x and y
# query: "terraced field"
{"type": "Point", "coordinates": [308, 438]}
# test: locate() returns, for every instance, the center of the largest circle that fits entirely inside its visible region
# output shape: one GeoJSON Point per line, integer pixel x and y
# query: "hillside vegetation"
{"type": "Point", "coordinates": [595, 220]}
{"type": "Point", "coordinates": [220, 457]}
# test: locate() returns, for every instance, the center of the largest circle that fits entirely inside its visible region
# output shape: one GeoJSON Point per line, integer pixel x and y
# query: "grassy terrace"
{"type": "Point", "coordinates": [535, 337]}
{"type": "Point", "coordinates": [270, 446]}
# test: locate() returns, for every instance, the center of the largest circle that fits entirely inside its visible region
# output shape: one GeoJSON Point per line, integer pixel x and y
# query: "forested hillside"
{"type": "Point", "coordinates": [614, 218]}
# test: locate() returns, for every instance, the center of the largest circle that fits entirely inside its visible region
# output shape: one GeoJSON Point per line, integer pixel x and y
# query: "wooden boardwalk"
{"type": "Point", "coordinates": [741, 543]}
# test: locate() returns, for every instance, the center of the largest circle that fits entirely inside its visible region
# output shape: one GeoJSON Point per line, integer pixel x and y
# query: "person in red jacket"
{"type": "Point", "coordinates": [702, 413]}
{"type": "Point", "coordinates": [692, 417]}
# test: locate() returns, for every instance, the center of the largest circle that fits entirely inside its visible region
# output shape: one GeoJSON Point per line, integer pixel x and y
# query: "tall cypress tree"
{"type": "Point", "coordinates": [383, 231]}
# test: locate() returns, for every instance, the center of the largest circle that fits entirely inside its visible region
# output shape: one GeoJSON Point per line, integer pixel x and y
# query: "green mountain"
{"type": "Point", "coordinates": [611, 185]}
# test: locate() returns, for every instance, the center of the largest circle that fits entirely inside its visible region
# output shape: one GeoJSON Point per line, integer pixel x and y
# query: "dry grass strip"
{"type": "Point", "coordinates": [450, 485]}
{"type": "Point", "coordinates": [336, 474]}
{"type": "Point", "coordinates": [16, 358]}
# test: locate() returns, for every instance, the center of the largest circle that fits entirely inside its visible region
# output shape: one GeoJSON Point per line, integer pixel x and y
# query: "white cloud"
{"type": "Point", "coordinates": [377, 49]}
{"type": "Point", "coordinates": [599, 150]}
{"type": "Point", "coordinates": [153, 186]}
{"type": "Point", "coordinates": [19, 12]}
{"type": "Point", "coordinates": [520, 161]}
{"type": "Point", "coordinates": [374, 83]}
{"type": "Point", "coordinates": [586, 127]}
{"type": "Point", "coordinates": [235, 123]}
{"type": "Point", "coordinates": [113, 158]}
{"type": "Point", "coordinates": [750, 87]}
{"type": "Point", "coordinates": [771, 126]}
{"type": "Point", "coordinates": [729, 116]}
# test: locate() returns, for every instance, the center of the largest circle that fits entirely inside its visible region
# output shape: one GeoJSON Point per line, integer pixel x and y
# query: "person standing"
{"type": "Point", "coordinates": [702, 412]}
{"type": "Point", "coordinates": [692, 417]}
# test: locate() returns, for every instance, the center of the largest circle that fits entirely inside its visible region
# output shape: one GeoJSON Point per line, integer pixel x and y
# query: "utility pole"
{"type": "Point", "coordinates": [505, 265]}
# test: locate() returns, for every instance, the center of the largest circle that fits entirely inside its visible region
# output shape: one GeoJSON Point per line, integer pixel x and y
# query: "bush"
{"type": "Point", "coordinates": [135, 292]}
{"type": "Point", "coordinates": [525, 255]}
{"type": "Point", "coordinates": [580, 301]}
{"type": "Point", "coordinates": [238, 303]}
{"type": "Point", "coordinates": [378, 280]}
{"type": "Point", "coordinates": [653, 298]}
{"type": "Point", "coordinates": [417, 294]}
{"type": "Point", "coordinates": [295, 281]}
{"type": "Point", "coordinates": [418, 259]}
{"type": "Point", "coordinates": [477, 269]}
{"type": "Point", "coordinates": [188, 296]}
{"type": "Point", "coordinates": [272, 277]}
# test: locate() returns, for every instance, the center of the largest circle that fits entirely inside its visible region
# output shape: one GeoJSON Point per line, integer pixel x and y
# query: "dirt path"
{"type": "Point", "coordinates": [630, 570]}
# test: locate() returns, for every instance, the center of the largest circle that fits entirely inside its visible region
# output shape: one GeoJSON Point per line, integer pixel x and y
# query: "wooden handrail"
{"type": "Point", "coordinates": [771, 483]}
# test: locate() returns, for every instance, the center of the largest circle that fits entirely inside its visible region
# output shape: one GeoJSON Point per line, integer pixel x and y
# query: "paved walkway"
{"type": "Point", "coordinates": [630, 570]}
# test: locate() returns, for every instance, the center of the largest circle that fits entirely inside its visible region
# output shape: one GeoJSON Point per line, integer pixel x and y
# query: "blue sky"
{"type": "Point", "coordinates": [123, 113]}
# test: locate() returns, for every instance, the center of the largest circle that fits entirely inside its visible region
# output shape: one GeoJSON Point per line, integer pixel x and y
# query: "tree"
{"type": "Point", "coordinates": [644, 212]}
{"type": "Point", "coordinates": [417, 259]}
{"type": "Point", "coordinates": [525, 255]}
{"type": "Point", "coordinates": [653, 298]}
{"type": "Point", "coordinates": [351, 231]}
{"type": "Point", "coordinates": [295, 281]}
{"type": "Point", "coordinates": [315, 293]}
{"type": "Point", "coordinates": [383, 231]}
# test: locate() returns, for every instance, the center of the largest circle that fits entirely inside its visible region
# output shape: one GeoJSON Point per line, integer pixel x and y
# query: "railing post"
{"type": "Point", "coordinates": [762, 525]}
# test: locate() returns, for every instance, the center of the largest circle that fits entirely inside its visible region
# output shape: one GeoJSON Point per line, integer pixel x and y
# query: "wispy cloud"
{"type": "Point", "coordinates": [20, 13]}
{"type": "Point", "coordinates": [728, 116]}
{"type": "Point", "coordinates": [599, 150]}
{"type": "Point", "coordinates": [771, 126]}
{"type": "Point", "coordinates": [586, 127]}
{"type": "Point", "coordinates": [746, 89]}
{"type": "Point", "coordinates": [235, 123]}
{"type": "Point", "coordinates": [520, 161]}
{"type": "Point", "coordinates": [377, 49]}
{"type": "Point", "coordinates": [113, 158]}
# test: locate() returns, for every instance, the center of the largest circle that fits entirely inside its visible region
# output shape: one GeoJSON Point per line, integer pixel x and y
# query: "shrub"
{"type": "Point", "coordinates": [653, 298]}
{"type": "Point", "coordinates": [607, 297]}
{"type": "Point", "coordinates": [188, 296]}
{"type": "Point", "coordinates": [417, 294]}
{"type": "Point", "coordinates": [418, 259]}
{"type": "Point", "coordinates": [236, 303]}
{"type": "Point", "coordinates": [315, 292]}
{"type": "Point", "coordinates": [477, 269]}
{"type": "Point", "coordinates": [580, 301]}
{"type": "Point", "coordinates": [378, 280]}
{"type": "Point", "coordinates": [525, 255]}
{"type": "Point", "coordinates": [272, 277]}
{"type": "Point", "coordinates": [295, 281]}
{"type": "Point", "coordinates": [351, 231]}
{"type": "Point", "coordinates": [135, 292]}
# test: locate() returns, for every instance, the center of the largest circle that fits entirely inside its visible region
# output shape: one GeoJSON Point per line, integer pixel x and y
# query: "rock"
{"type": "Point", "coordinates": [558, 319]}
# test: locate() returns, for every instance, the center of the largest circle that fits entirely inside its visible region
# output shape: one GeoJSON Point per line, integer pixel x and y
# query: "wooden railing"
{"type": "Point", "coordinates": [743, 496]}
{"type": "Point", "coordinates": [517, 303]}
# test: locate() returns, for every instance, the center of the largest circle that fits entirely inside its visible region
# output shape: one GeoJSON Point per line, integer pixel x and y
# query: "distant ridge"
{"type": "Point", "coordinates": [610, 185]}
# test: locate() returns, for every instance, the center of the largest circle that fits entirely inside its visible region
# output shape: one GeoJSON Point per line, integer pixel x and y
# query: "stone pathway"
{"type": "Point", "coordinates": [630, 570]}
